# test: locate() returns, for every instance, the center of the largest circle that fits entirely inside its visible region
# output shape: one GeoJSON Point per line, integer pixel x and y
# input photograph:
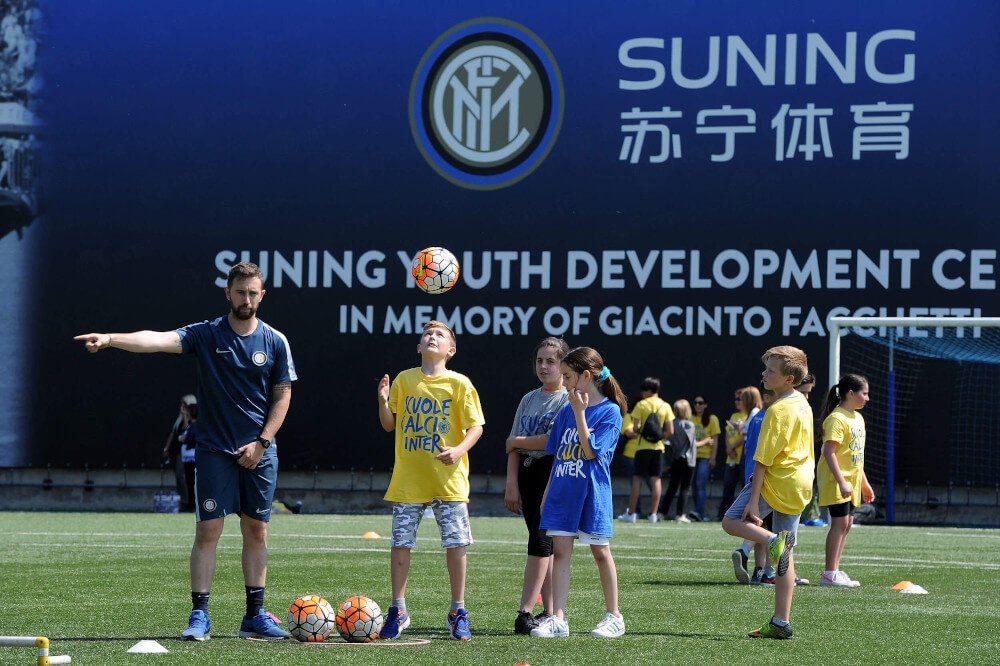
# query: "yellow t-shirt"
{"type": "Point", "coordinates": [848, 431]}
{"type": "Point", "coordinates": [701, 432]}
{"type": "Point", "coordinates": [432, 413]}
{"type": "Point", "coordinates": [633, 444]}
{"type": "Point", "coordinates": [734, 435]}
{"type": "Point", "coordinates": [785, 447]}
{"type": "Point", "coordinates": [641, 412]}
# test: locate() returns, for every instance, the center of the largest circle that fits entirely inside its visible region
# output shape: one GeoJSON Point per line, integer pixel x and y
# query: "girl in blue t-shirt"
{"type": "Point", "coordinates": [577, 503]}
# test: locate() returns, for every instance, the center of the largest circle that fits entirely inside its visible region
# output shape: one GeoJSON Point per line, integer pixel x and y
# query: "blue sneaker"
{"type": "Point", "coordinates": [394, 623]}
{"type": "Point", "coordinates": [198, 627]}
{"type": "Point", "coordinates": [262, 626]}
{"type": "Point", "coordinates": [458, 624]}
{"type": "Point", "coordinates": [815, 522]}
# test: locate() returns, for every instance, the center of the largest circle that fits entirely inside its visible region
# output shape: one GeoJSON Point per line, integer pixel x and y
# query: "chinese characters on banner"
{"type": "Point", "coordinates": [799, 133]}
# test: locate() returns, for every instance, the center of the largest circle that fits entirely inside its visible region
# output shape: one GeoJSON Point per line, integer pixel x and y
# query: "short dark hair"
{"type": "Point", "coordinates": [651, 384]}
{"type": "Point", "coordinates": [244, 270]}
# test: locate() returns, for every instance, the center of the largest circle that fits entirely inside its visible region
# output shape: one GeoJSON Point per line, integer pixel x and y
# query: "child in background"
{"type": "Point", "coordinates": [578, 500]}
{"type": "Point", "coordinates": [682, 467]}
{"type": "Point", "coordinates": [528, 469]}
{"type": "Point", "coordinates": [437, 418]}
{"type": "Point", "coordinates": [782, 479]}
{"type": "Point", "coordinates": [841, 473]}
{"type": "Point", "coordinates": [762, 570]}
{"type": "Point", "coordinates": [649, 448]}
{"type": "Point", "coordinates": [747, 404]}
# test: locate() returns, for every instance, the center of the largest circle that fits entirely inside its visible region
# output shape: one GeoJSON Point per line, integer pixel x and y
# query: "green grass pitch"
{"type": "Point", "coordinates": [98, 583]}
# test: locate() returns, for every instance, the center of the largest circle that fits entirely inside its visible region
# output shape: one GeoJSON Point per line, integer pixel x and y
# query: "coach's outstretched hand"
{"type": "Point", "coordinates": [94, 342]}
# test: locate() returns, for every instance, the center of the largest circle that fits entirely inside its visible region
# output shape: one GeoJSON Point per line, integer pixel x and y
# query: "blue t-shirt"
{"type": "Point", "coordinates": [579, 497]}
{"type": "Point", "coordinates": [750, 444]}
{"type": "Point", "coordinates": [235, 377]}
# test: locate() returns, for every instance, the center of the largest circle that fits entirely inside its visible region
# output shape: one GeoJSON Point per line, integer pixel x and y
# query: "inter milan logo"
{"type": "Point", "coordinates": [486, 103]}
{"type": "Point", "coordinates": [209, 505]}
{"type": "Point", "coordinates": [259, 358]}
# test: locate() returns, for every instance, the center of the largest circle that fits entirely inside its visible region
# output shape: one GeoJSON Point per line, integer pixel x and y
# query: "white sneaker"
{"type": "Point", "coordinates": [834, 579]}
{"type": "Point", "coordinates": [627, 517]}
{"type": "Point", "coordinates": [610, 627]}
{"type": "Point", "coordinates": [653, 518]}
{"type": "Point", "coordinates": [850, 580]}
{"type": "Point", "coordinates": [683, 519]}
{"type": "Point", "coordinates": [552, 627]}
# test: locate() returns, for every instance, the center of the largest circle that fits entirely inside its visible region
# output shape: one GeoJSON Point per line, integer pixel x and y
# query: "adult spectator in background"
{"type": "Point", "coordinates": [172, 452]}
{"type": "Point", "coordinates": [189, 440]}
{"type": "Point", "coordinates": [707, 430]}
{"type": "Point", "coordinates": [245, 375]}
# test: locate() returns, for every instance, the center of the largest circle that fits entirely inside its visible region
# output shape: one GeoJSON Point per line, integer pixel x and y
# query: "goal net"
{"type": "Point", "coordinates": [933, 419]}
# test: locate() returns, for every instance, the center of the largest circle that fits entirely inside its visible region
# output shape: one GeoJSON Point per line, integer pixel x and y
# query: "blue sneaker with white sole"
{"type": "Point", "coordinates": [458, 624]}
{"type": "Point", "coordinates": [198, 627]}
{"type": "Point", "coordinates": [395, 623]}
{"type": "Point", "coordinates": [262, 627]}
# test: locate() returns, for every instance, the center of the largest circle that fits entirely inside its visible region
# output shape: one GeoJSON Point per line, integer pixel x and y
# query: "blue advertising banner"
{"type": "Point", "coordinates": [680, 185]}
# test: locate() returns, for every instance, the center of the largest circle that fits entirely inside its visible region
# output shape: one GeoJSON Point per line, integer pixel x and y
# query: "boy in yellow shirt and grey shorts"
{"type": "Point", "coordinates": [782, 479]}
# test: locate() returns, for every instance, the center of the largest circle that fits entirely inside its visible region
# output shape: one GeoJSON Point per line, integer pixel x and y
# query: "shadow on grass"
{"type": "Point", "coordinates": [694, 583]}
{"type": "Point", "coordinates": [132, 639]}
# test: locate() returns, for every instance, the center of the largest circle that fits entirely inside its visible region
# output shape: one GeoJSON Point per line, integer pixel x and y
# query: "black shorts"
{"type": "Point", "coordinates": [648, 463]}
{"type": "Point", "coordinates": [840, 510]}
{"type": "Point", "coordinates": [531, 480]}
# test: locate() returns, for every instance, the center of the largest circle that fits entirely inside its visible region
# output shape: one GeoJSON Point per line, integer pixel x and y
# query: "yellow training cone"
{"type": "Point", "coordinates": [371, 535]}
{"type": "Point", "coordinates": [902, 585]}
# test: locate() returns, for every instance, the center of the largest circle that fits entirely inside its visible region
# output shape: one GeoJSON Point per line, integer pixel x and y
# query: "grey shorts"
{"type": "Point", "coordinates": [779, 521]}
{"type": "Point", "coordinates": [452, 519]}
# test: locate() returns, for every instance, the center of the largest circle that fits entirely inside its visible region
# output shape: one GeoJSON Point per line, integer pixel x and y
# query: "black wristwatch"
{"type": "Point", "coordinates": [266, 443]}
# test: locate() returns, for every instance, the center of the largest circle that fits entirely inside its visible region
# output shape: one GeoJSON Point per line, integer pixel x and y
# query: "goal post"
{"type": "Point", "coordinates": [972, 344]}
{"type": "Point", "coordinates": [40, 643]}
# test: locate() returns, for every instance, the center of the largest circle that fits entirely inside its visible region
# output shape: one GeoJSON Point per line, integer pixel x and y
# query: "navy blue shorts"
{"type": "Point", "coordinates": [222, 487]}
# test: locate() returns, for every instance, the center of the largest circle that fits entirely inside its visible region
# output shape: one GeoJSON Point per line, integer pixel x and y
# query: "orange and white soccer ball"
{"type": "Point", "coordinates": [359, 619]}
{"type": "Point", "coordinates": [435, 270]}
{"type": "Point", "coordinates": [311, 618]}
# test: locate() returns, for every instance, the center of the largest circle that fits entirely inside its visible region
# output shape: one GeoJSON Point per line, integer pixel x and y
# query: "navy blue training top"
{"type": "Point", "coordinates": [235, 377]}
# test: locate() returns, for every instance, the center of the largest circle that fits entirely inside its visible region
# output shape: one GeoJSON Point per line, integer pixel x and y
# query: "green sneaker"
{"type": "Point", "coordinates": [779, 548]}
{"type": "Point", "coordinates": [772, 630]}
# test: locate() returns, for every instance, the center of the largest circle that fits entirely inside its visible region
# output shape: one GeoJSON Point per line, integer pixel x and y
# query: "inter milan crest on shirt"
{"type": "Point", "coordinates": [486, 103]}
{"type": "Point", "coordinates": [259, 358]}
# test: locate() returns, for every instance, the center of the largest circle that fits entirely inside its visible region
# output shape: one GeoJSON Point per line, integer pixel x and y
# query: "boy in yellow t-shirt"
{"type": "Point", "coordinates": [782, 479]}
{"type": "Point", "coordinates": [648, 452]}
{"type": "Point", "coordinates": [437, 418]}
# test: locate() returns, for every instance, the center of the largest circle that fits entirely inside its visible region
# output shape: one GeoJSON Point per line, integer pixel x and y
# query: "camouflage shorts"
{"type": "Point", "coordinates": [452, 519]}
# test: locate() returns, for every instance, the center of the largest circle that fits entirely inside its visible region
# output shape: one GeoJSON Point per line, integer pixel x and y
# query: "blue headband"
{"type": "Point", "coordinates": [605, 373]}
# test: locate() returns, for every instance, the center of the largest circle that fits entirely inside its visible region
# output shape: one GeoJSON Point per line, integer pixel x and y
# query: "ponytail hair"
{"type": "Point", "coordinates": [849, 382]}
{"type": "Point", "coordinates": [587, 358]}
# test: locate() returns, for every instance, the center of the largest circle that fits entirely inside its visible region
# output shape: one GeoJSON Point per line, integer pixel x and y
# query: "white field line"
{"type": "Point", "coordinates": [963, 535]}
{"type": "Point", "coordinates": [617, 545]}
{"type": "Point", "coordinates": [856, 561]}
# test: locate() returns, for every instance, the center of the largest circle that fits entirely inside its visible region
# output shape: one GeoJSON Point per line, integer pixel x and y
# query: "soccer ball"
{"type": "Point", "coordinates": [359, 620]}
{"type": "Point", "coordinates": [310, 618]}
{"type": "Point", "coordinates": [435, 270]}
